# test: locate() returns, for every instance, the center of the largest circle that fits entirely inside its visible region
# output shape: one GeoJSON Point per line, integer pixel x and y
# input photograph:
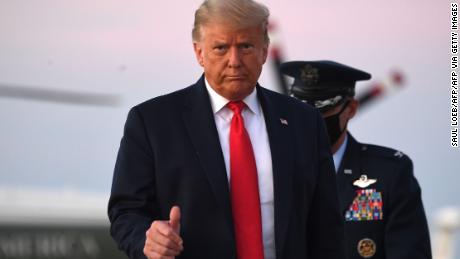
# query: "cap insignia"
{"type": "Point", "coordinates": [309, 75]}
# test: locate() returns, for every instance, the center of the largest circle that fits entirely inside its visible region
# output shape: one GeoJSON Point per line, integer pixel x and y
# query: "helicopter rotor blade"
{"type": "Point", "coordinates": [58, 96]}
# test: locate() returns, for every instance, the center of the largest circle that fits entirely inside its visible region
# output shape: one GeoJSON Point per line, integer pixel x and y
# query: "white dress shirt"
{"type": "Point", "coordinates": [254, 123]}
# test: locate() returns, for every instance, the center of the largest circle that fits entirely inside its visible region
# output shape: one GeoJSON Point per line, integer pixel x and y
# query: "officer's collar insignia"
{"type": "Point", "coordinates": [364, 182]}
{"type": "Point", "coordinates": [399, 154]}
{"type": "Point", "coordinates": [309, 75]}
{"type": "Point", "coordinates": [366, 248]}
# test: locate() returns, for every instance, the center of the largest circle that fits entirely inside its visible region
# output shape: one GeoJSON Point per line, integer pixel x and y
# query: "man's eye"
{"type": "Point", "coordinates": [246, 46]}
{"type": "Point", "coordinates": [220, 48]}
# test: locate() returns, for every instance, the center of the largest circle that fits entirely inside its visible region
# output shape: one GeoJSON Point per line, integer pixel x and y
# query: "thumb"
{"type": "Point", "coordinates": [174, 219]}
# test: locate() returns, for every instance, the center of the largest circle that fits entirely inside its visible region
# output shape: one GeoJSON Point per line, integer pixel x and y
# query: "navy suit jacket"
{"type": "Point", "coordinates": [170, 155]}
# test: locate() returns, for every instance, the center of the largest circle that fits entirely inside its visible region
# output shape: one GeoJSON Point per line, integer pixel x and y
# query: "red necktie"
{"type": "Point", "coordinates": [244, 189]}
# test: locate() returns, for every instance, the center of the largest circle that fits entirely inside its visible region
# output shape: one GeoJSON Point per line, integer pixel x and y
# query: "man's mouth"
{"type": "Point", "coordinates": [238, 77]}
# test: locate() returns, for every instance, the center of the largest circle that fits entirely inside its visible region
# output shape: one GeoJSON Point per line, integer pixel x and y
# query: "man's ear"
{"type": "Point", "coordinates": [352, 108]}
{"type": "Point", "coordinates": [198, 53]}
{"type": "Point", "coordinates": [265, 52]}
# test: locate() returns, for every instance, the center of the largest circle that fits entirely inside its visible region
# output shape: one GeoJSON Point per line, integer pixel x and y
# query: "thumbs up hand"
{"type": "Point", "coordinates": [163, 237]}
{"type": "Point", "coordinates": [174, 219]}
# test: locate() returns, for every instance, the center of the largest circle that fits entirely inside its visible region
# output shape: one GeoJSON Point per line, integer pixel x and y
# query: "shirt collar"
{"type": "Point", "coordinates": [338, 155]}
{"type": "Point", "coordinates": [218, 102]}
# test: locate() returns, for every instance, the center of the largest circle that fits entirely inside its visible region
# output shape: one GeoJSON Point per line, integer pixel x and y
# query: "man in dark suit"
{"type": "Point", "coordinates": [380, 198]}
{"type": "Point", "coordinates": [225, 168]}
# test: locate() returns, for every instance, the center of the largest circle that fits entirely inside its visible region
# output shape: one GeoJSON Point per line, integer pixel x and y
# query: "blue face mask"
{"type": "Point", "coordinates": [333, 125]}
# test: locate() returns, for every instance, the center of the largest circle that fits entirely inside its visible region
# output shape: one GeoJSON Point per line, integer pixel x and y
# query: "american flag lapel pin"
{"type": "Point", "coordinates": [283, 121]}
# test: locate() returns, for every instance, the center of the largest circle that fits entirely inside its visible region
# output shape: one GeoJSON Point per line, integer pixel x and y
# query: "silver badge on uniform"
{"type": "Point", "coordinates": [364, 182]}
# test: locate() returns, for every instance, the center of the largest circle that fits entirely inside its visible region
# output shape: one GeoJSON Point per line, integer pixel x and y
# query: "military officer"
{"type": "Point", "coordinates": [379, 196]}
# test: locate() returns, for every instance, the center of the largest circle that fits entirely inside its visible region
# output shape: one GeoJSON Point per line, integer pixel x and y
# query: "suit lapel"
{"type": "Point", "coordinates": [199, 121]}
{"type": "Point", "coordinates": [351, 163]}
{"type": "Point", "coordinates": [280, 138]}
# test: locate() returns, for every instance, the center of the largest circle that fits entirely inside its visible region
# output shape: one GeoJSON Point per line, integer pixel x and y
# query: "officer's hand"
{"type": "Point", "coordinates": [162, 238]}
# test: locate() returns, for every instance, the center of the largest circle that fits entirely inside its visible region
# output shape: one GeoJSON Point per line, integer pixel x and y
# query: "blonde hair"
{"type": "Point", "coordinates": [239, 13]}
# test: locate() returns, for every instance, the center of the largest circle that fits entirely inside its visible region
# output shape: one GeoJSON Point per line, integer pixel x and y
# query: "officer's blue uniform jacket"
{"type": "Point", "coordinates": [385, 219]}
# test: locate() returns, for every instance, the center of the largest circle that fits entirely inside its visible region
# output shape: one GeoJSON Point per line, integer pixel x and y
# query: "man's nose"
{"type": "Point", "coordinates": [234, 57]}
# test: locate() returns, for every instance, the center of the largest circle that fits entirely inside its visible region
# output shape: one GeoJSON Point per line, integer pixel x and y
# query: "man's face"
{"type": "Point", "coordinates": [343, 117]}
{"type": "Point", "coordinates": [337, 123]}
{"type": "Point", "coordinates": [232, 58]}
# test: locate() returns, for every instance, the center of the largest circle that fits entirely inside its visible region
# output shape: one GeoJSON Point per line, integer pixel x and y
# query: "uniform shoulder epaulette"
{"type": "Point", "coordinates": [383, 151]}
